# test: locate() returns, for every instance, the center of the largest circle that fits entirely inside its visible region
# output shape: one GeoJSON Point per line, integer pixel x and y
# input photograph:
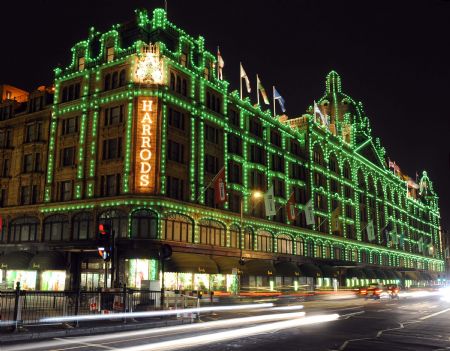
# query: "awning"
{"type": "Point", "coordinates": [287, 269]}
{"type": "Point", "coordinates": [370, 274]}
{"type": "Point", "coordinates": [328, 271]}
{"type": "Point", "coordinates": [19, 260]}
{"type": "Point", "coordinates": [425, 276]}
{"type": "Point", "coordinates": [380, 274]}
{"type": "Point", "coordinates": [398, 275]}
{"type": "Point", "coordinates": [48, 261]}
{"type": "Point", "coordinates": [226, 264]}
{"type": "Point", "coordinates": [412, 275]}
{"type": "Point", "coordinates": [190, 263]}
{"type": "Point", "coordinates": [355, 273]}
{"type": "Point", "coordinates": [140, 252]}
{"type": "Point", "coordinates": [310, 270]}
{"type": "Point", "coordinates": [390, 274]}
{"type": "Point", "coordinates": [259, 267]}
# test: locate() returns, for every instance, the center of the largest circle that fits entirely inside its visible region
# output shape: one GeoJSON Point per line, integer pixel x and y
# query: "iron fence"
{"type": "Point", "coordinates": [22, 307]}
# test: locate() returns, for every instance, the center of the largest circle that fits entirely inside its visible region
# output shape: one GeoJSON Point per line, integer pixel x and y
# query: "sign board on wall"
{"type": "Point", "coordinates": [146, 139]}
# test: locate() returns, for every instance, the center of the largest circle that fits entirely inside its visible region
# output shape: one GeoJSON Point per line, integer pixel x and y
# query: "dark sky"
{"type": "Point", "coordinates": [394, 56]}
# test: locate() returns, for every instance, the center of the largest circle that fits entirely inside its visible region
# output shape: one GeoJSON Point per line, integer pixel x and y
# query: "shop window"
{"type": "Point", "coordinates": [327, 251]}
{"type": "Point", "coordinates": [284, 244]}
{"type": "Point", "coordinates": [144, 225]}
{"type": "Point", "coordinates": [56, 228]}
{"type": "Point", "coordinates": [212, 233]}
{"type": "Point", "coordinates": [319, 250]}
{"type": "Point", "coordinates": [264, 241]}
{"type": "Point", "coordinates": [177, 227]}
{"type": "Point", "coordinates": [118, 221]}
{"type": "Point", "coordinates": [337, 252]}
{"type": "Point", "coordinates": [83, 226]}
{"type": "Point", "coordinates": [23, 229]}
{"type": "Point", "coordinates": [310, 248]}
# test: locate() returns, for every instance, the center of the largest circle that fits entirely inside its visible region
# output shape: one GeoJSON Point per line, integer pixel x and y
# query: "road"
{"type": "Point", "coordinates": [410, 323]}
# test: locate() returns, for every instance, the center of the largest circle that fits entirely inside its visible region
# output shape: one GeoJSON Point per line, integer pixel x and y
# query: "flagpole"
{"type": "Point", "coordinates": [240, 78]}
{"type": "Point", "coordinates": [257, 89]}
{"type": "Point", "coordinates": [212, 181]}
{"type": "Point", "coordinates": [273, 98]}
{"type": "Point", "coordinates": [218, 63]}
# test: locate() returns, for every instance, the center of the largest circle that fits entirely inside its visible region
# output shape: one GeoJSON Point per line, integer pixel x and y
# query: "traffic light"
{"type": "Point", "coordinates": [104, 240]}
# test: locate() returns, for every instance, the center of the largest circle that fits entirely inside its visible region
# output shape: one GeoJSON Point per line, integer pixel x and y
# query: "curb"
{"type": "Point", "coordinates": [35, 336]}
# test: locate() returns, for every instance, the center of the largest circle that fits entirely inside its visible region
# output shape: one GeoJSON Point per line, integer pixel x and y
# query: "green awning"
{"type": "Point", "coordinates": [398, 275]}
{"type": "Point", "coordinates": [390, 274]}
{"type": "Point", "coordinates": [412, 275]}
{"type": "Point", "coordinates": [370, 274]}
{"type": "Point", "coordinates": [355, 273]}
{"type": "Point", "coordinates": [310, 270]}
{"type": "Point", "coordinates": [48, 261]}
{"type": "Point", "coordinates": [287, 269]}
{"type": "Point", "coordinates": [226, 264]}
{"type": "Point", "coordinates": [260, 267]}
{"type": "Point", "coordinates": [190, 263]}
{"type": "Point", "coordinates": [380, 274]}
{"type": "Point", "coordinates": [328, 271]}
{"type": "Point", "coordinates": [19, 260]}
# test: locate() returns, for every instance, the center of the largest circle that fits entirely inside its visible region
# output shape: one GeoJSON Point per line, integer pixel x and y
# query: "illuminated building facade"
{"type": "Point", "coordinates": [139, 127]}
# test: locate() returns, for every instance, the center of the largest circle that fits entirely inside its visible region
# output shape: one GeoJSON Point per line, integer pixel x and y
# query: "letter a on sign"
{"type": "Point", "coordinates": [220, 189]}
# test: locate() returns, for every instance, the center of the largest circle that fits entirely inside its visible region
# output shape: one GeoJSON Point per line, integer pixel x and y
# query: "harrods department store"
{"type": "Point", "coordinates": [134, 130]}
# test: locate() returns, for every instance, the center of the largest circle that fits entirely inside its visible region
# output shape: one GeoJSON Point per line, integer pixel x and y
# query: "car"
{"type": "Point", "coordinates": [374, 291]}
{"type": "Point", "coordinates": [393, 290]}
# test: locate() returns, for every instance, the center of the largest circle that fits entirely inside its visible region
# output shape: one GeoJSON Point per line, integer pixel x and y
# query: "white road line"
{"type": "Point", "coordinates": [434, 314]}
{"type": "Point", "coordinates": [85, 344]}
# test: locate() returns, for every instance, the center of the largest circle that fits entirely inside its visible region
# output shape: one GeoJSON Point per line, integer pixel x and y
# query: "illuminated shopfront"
{"type": "Point", "coordinates": [200, 281]}
{"type": "Point", "coordinates": [27, 279]}
{"type": "Point", "coordinates": [139, 271]}
{"type": "Point", "coordinates": [53, 280]}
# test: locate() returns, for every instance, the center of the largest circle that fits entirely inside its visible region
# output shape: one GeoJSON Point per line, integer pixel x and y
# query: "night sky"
{"type": "Point", "coordinates": [394, 56]}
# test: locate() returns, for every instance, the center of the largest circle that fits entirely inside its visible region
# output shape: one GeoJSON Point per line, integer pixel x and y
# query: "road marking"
{"type": "Point", "coordinates": [434, 314]}
{"type": "Point", "coordinates": [348, 315]}
{"type": "Point", "coordinates": [84, 344]}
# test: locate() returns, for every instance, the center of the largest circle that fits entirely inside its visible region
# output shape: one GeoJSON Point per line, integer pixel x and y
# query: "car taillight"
{"type": "Point", "coordinates": [377, 291]}
{"type": "Point", "coordinates": [363, 291]}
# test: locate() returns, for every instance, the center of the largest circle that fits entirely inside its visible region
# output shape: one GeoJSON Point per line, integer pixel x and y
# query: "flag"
{"type": "Point", "coordinates": [335, 227]}
{"type": "Point", "coordinates": [370, 231]}
{"type": "Point", "coordinates": [290, 208]}
{"type": "Point", "coordinates": [261, 90]}
{"type": "Point", "coordinates": [386, 231]}
{"type": "Point", "coordinates": [394, 238]}
{"type": "Point", "coordinates": [220, 64]}
{"type": "Point", "coordinates": [247, 81]}
{"type": "Point", "coordinates": [402, 239]}
{"type": "Point", "coordinates": [420, 243]}
{"type": "Point", "coordinates": [269, 203]}
{"type": "Point", "coordinates": [309, 212]}
{"type": "Point", "coordinates": [220, 191]}
{"type": "Point", "coordinates": [279, 98]}
{"type": "Point", "coordinates": [391, 164]}
{"type": "Point", "coordinates": [318, 112]}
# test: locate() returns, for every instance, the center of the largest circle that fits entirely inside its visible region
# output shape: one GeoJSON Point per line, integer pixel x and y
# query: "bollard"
{"type": "Point", "coordinates": [16, 305]}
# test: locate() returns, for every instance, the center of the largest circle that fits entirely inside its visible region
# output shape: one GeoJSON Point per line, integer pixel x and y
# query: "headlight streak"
{"type": "Point", "coordinates": [287, 308]}
{"type": "Point", "coordinates": [232, 334]}
{"type": "Point", "coordinates": [141, 334]}
{"type": "Point", "coordinates": [153, 313]}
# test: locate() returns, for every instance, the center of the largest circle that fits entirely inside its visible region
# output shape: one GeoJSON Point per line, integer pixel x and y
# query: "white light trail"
{"type": "Point", "coordinates": [142, 334]}
{"type": "Point", "coordinates": [287, 308]}
{"type": "Point", "coordinates": [152, 313]}
{"type": "Point", "coordinates": [232, 334]}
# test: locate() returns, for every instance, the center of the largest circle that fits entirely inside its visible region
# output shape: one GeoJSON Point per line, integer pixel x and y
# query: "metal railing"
{"type": "Point", "coordinates": [22, 307]}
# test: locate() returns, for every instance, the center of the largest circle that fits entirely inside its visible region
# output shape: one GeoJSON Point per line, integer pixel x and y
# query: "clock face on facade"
{"type": "Point", "coordinates": [149, 68]}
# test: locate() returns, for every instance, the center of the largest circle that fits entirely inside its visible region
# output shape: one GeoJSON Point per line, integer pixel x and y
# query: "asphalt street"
{"type": "Point", "coordinates": [410, 323]}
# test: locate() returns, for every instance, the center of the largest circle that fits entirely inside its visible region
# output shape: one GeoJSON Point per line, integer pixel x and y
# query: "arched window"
{"type": "Point", "coordinates": [248, 239]}
{"type": "Point", "coordinates": [177, 227]}
{"type": "Point", "coordinates": [372, 189]}
{"type": "Point", "coordinates": [172, 81]}
{"type": "Point", "coordinates": [184, 88]}
{"type": "Point", "coordinates": [347, 171]}
{"type": "Point", "coordinates": [264, 241]}
{"type": "Point", "coordinates": [284, 244]}
{"type": "Point", "coordinates": [83, 226]}
{"type": "Point", "coordinates": [375, 258]}
{"type": "Point", "coordinates": [337, 252]}
{"type": "Point", "coordinates": [354, 255]}
{"type": "Point", "coordinates": [361, 180]}
{"type": "Point", "coordinates": [115, 80]}
{"type": "Point", "coordinates": [118, 220]}
{"type": "Point", "coordinates": [310, 248]}
{"type": "Point", "coordinates": [64, 96]}
{"type": "Point", "coordinates": [212, 233]}
{"type": "Point", "coordinates": [364, 256]}
{"type": "Point", "coordinates": [107, 82]}
{"type": "Point", "coordinates": [23, 229]}
{"type": "Point", "coordinates": [319, 250]}
{"type": "Point", "coordinates": [380, 189]}
{"type": "Point", "coordinates": [333, 164]}
{"type": "Point", "coordinates": [327, 251]}
{"type": "Point", "coordinates": [178, 85]}
{"type": "Point", "coordinates": [234, 236]}
{"type": "Point", "coordinates": [318, 155]}
{"type": "Point", "coordinates": [122, 78]}
{"type": "Point", "coordinates": [299, 246]}
{"type": "Point", "coordinates": [56, 228]}
{"type": "Point", "coordinates": [144, 225]}
{"type": "Point", "coordinates": [217, 109]}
